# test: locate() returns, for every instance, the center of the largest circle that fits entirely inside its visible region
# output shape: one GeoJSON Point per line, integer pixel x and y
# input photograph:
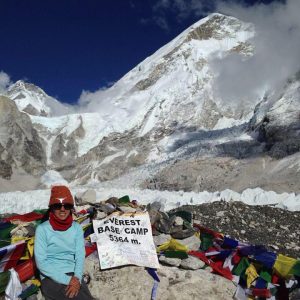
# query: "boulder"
{"type": "Point", "coordinates": [88, 196]}
{"type": "Point", "coordinates": [170, 261]}
{"type": "Point", "coordinates": [161, 239]}
{"type": "Point", "coordinates": [193, 242]}
{"type": "Point", "coordinates": [192, 263]}
{"type": "Point", "coordinates": [131, 282]}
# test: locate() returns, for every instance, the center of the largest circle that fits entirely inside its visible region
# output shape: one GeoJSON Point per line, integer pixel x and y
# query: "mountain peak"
{"type": "Point", "coordinates": [217, 26]}
{"type": "Point", "coordinates": [34, 101]}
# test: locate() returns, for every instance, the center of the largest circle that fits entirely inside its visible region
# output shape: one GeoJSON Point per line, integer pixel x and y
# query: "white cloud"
{"type": "Point", "coordinates": [161, 22]}
{"type": "Point", "coordinates": [4, 82]}
{"type": "Point", "coordinates": [276, 47]}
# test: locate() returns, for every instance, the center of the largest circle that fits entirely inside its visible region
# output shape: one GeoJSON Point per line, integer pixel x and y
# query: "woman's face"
{"type": "Point", "coordinates": [61, 213]}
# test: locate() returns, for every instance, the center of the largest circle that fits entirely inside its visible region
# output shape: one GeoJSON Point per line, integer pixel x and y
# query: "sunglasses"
{"type": "Point", "coordinates": [58, 206]}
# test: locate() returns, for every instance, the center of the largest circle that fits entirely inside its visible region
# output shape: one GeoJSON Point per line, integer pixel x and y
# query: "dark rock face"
{"type": "Point", "coordinates": [33, 111]}
{"type": "Point", "coordinates": [277, 121]}
{"type": "Point", "coordinates": [5, 169]}
{"type": "Point", "coordinates": [21, 146]}
{"type": "Point", "coordinates": [274, 228]}
{"type": "Point", "coordinates": [280, 140]}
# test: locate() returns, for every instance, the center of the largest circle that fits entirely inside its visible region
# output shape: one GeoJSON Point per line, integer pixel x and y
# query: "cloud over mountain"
{"type": "Point", "coordinates": [4, 82]}
{"type": "Point", "coordinates": [276, 48]}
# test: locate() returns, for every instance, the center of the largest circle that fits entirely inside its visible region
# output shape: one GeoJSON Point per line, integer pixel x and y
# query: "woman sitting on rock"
{"type": "Point", "coordinates": [59, 250]}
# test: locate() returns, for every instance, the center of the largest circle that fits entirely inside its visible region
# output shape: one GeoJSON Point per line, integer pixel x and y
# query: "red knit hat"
{"type": "Point", "coordinates": [60, 194]}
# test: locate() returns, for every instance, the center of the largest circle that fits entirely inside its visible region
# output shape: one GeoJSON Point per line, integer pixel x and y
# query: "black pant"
{"type": "Point", "coordinates": [52, 290]}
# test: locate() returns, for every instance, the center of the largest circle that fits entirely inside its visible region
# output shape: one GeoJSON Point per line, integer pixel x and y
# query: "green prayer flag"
{"type": "Point", "coordinates": [4, 279]}
{"type": "Point", "coordinates": [40, 211]}
{"type": "Point", "coordinates": [296, 268]}
{"type": "Point", "coordinates": [176, 254]}
{"type": "Point", "coordinates": [266, 275]}
{"type": "Point", "coordinates": [4, 243]}
{"type": "Point", "coordinates": [5, 235]}
{"type": "Point", "coordinates": [240, 269]}
{"type": "Point", "coordinates": [124, 199]}
{"type": "Point", "coordinates": [206, 241]}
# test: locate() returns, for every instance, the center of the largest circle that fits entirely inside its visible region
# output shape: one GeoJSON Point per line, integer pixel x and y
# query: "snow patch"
{"type": "Point", "coordinates": [52, 177]}
{"type": "Point", "coordinates": [109, 158]}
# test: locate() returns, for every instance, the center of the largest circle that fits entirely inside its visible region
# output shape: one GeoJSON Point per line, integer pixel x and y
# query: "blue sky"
{"type": "Point", "coordinates": [66, 46]}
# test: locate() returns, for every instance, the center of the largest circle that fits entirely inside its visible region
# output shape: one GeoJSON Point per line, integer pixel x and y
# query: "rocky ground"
{"type": "Point", "coordinates": [275, 228]}
{"type": "Point", "coordinates": [219, 173]}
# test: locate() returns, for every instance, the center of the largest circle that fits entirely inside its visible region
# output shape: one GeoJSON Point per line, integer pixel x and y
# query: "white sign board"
{"type": "Point", "coordinates": [125, 239]}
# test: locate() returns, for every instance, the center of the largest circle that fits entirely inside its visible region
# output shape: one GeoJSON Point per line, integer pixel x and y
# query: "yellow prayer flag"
{"type": "Point", "coordinates": [35, 282]}
{"type": "Point", "coordinates": [30, 245]}
{"type": "Point", "coordinates": [172, 244]}
{"type": "Point", "coordinates": [251, 274]}
{"type": "Point", "coordinates": [283, 265]}
{"type": "Point", "coordinates": [28, 253]}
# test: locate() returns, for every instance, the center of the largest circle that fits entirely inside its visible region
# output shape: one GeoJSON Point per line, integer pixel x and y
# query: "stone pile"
{"type": "Point", "coordinates": [180, 278]}
{"type": "Point", "coordinates": [189, 277]}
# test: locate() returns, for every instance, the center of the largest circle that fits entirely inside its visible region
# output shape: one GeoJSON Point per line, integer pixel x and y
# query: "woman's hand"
{"type": "Point", "coordinates": [73, 287]}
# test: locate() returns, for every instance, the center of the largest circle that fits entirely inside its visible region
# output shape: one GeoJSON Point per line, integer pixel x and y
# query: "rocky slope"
{"type": "Point", "coordinates": [20, 145]}
{"type": "Point", "coordinates": [274, 228]}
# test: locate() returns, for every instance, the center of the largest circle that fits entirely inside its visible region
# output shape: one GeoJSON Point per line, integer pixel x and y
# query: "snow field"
{"type": "Point", "coordinates": [24, 202]}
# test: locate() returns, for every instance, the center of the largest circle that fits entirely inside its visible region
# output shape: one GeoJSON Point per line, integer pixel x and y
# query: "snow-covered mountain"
{"type": "Point", "coordinates": [163, 126]}
{"type": "Point", "coordinates": [33, 100]}
{"type": "Point", "coordinates": [172, 88]}
{"type": "Point", "coordinates": [175, 84]}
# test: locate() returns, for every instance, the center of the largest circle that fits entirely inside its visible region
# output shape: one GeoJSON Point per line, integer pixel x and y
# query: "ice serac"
{"type": "Point", "coordinates": [34, 101]}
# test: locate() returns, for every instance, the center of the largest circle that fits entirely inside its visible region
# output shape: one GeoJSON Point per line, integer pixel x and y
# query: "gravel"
{"type": "Point", "coordinates": [277, 229]}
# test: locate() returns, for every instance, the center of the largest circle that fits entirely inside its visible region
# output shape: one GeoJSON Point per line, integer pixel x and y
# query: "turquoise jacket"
{"type": "Point", "coordinates": [59, 252]}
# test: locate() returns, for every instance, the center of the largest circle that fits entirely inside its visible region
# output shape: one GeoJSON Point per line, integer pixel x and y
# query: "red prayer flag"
{"type": "Point", "coordinates": [90, 249]}
{"type": "Point", "coordinates": [29, 217]}
{"type": "Point", "coordinates": [10, 255]}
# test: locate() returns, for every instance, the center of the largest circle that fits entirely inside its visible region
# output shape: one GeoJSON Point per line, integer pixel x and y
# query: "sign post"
{"type": "Point", "coordinates": [125, 239]}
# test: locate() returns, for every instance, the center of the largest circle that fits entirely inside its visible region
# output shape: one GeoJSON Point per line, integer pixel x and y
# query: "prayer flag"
{"type": "Point", "coordinates": [283, 265]}
{"type": "Point", "coordinates": [266, 276]}
{"type": "Point", "coordinates": [4, 279]}
{"type": "Point", "coordinates": [172, 244]}
{"type": "Point", "coordinates": [241, 267]}
{"type": "Point", "coordinates": [229, 243]}
{"type": "Point", "coordinates": [5, 229]}
{"type": "Point", "coordinates": [266, 258]}
{"type": "Point", "coordinates": [251, 274]}
{"type": "Point", "coordinates": [10, 255]}
{"type": "Point", "coordinates": [206, 241]}
{"type": "Point", "coordinates": [296, 268]}
{"type": "Point", "coordinates": [29, 217]}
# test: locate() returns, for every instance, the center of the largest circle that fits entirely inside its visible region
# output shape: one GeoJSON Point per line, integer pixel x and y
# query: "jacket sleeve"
{"type": "Point", "coordinates": [40, 253]}
{"type": "Point", "coordinates": [79, 252]}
